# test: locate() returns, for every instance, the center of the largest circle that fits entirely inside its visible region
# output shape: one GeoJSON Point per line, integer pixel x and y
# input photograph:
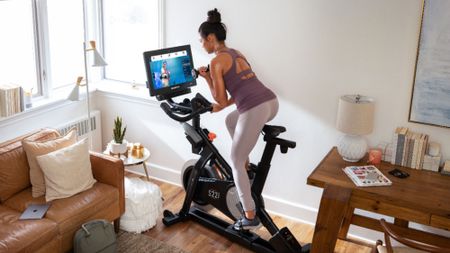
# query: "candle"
{"type": "Point", "coordinates": [374, 156]}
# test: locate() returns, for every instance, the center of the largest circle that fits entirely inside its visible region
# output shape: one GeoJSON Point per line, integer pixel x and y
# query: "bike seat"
{"type": "Point", "coordinates": [273, 130]}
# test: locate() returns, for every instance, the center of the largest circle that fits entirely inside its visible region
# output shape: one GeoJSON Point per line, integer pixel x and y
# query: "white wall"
{"type": "Point", "coordinates": [310, 53]}
{"type": "Point", "coordinates": [52, 116]}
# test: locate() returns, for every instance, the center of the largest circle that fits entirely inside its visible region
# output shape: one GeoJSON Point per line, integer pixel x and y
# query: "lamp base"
{"type": "Point", "coordinates": [352, 147]}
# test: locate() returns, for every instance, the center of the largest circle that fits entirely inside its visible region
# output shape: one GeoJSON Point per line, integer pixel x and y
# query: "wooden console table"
{"type": "Point", "coordinates": [423, 197]}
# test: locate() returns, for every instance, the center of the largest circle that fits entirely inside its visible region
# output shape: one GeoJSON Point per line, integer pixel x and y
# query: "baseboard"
{"type": "Point", "coordinates": [292, 211]}
{"type": "Point", "coordinates": [158, 172]}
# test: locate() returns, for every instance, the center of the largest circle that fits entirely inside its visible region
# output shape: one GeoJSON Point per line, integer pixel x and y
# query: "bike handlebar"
{"type": "Point", "coordinates": [198, 105]}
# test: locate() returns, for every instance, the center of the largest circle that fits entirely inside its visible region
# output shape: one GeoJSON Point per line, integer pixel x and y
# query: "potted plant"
{"type": "Point", "coordinates": [118, 144]}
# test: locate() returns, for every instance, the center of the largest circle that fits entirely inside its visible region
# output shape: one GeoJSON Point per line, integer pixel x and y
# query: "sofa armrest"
{"type": "Point", "coordinates": [109, 170]}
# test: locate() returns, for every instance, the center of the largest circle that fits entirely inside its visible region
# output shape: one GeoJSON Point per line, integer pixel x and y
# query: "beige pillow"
{"type": "Point", "coordinates": [67, 171]}
{"type": "Point", "coordinates": [37, 148]}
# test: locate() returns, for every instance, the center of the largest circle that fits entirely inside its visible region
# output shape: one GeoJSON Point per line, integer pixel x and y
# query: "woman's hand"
{"type": "Point", "coordinates": [204, 72]}
{"type": "Point", "coordinates": [216, 107]}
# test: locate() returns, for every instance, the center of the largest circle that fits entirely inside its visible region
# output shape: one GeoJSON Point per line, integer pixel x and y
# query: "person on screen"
{"type": "Point", "coordinates": [256, 105]}
{"type": "Point", "coordinates": [165, 74]}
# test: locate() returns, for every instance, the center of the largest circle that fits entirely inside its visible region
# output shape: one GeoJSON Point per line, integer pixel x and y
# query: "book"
{"type": "Point", "coordinates": [400, 145]}
{"type": "Point", "coordinates": [394, 144]}
{"type": "Point", "coordinates": [367, 175]}
{"type": "Point", "coordinates": [9, 99]}
{"type": "Point", "coordinates": [415, 155]}
{"type": "Point", "coordinates": [410, 149]}
{"type": "Point", "coordinates": [422, 151]}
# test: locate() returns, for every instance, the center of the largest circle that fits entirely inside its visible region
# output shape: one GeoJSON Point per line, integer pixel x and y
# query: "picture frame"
{"type": "Point", "coordinates": [430, 97]}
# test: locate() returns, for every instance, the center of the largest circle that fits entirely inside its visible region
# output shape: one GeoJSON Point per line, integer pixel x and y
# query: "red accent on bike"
{"type": "Point", "coordinates": [211, 136]}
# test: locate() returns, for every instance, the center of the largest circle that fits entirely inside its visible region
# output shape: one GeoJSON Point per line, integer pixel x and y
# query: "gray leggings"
{"type": "Point", "coordinates": [244, 130]}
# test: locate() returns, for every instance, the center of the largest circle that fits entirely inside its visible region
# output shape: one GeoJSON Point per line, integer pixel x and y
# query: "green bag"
{"type": "Point", "coordinates": [94, 237]}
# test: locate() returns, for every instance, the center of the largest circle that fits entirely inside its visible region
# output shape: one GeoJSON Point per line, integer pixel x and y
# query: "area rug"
{"type": "Point", "coordinates": [137, 243]}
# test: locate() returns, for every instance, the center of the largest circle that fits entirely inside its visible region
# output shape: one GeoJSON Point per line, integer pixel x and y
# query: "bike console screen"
{"type": "Point", "coordinates": [169, 71]}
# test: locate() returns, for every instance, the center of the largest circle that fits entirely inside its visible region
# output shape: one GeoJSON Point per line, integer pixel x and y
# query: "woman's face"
{"type": "Point", "coordinates": [207, 43]}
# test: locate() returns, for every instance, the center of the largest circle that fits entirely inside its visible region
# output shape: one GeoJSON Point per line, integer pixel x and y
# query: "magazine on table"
{"type": "Point", "coordinates": [367, 175]}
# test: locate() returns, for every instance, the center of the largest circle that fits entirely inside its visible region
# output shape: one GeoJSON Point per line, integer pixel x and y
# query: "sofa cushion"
{"type": "Point", "coordinates": [24, 235]}
{"type": "Point", "coordinates": [71, 212]}
{"type": "Point", "coordinates": [67, 171]}
{"type": "Point", "coordinates": [37, 148]}
{"type": "Point", "coordinates": [14, 170]}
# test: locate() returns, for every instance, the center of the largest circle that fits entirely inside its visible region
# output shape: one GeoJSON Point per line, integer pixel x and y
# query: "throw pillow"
{"type": "Point", "coordinates": [67, 171]}
{"type": "Point", "coordinates": [37, 148]}
{"type": "Point", "coordinates": [14, 170]}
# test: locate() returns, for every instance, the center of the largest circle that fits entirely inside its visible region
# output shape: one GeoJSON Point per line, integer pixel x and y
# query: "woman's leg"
{"type": "Point", "coordinates": [231, 121]}
{"type": "Point", "coordinates": [245, 136]}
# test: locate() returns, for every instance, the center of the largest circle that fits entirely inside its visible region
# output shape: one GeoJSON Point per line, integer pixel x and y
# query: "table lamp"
{"type": "Point", "coordinates": [354, 119]}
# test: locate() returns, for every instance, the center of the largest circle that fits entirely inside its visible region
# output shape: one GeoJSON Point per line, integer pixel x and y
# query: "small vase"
{"type": "Point", "coordinates": [118, 148]}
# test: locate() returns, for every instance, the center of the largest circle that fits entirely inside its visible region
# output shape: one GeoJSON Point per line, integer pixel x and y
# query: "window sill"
{"type": "Point", "coordinates": [125, 91]}
{"type": "Point", "coordinates": [120, 90]}
{"type": "Point", "coordinates": [43, 105]}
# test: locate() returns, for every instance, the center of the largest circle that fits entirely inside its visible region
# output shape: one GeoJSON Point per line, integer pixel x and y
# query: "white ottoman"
{"type": "Point", "coordinates": [143, 205]}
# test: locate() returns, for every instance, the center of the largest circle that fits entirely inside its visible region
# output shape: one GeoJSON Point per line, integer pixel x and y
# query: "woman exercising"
{"type": "Point", "coordinates": [256, 105]}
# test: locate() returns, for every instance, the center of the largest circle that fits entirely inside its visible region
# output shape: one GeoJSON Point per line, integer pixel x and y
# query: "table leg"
{"type": "Point", "coordinates": [333, 208]}
{"type": "Point", "coordinates": [146, 172]}
{"type": "Point", "coordinates": [346, 223]}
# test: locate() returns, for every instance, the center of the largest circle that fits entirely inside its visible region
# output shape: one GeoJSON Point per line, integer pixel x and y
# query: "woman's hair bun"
{"type": "Point", "coordinates": [214, 16]}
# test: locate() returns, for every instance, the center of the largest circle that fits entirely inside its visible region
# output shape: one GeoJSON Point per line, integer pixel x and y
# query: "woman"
{"type": "Point", "coordinates": [256, 104]}
{"type": "Point", "coordinates": [165, 74]}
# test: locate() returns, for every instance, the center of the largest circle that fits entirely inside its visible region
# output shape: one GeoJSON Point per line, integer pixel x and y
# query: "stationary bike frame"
{"type": "Point", "coordinates": [281, 240]}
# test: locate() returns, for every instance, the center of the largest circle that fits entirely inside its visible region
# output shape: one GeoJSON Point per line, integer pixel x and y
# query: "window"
{"type": "Point", "coordinates": [43, 43]}
{"type": "Point", "coordinates": [41, 47]}
{"type": "Point", "coordinates": [129, 29]}
{"type": "Point", "coordinates": [17, 45]}
{"type": "Point", "coordinates": [65, 36]}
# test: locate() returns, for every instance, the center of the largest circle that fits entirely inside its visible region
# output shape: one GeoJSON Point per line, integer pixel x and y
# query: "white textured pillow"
{"type": "Point", "coordinates": [67, 171]}
{"type": "Point", "coordinates": [37, 148]}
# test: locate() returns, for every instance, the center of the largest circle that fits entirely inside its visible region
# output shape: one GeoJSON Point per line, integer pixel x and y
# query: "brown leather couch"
{"type": "Point", "coordinates": [53, 233]}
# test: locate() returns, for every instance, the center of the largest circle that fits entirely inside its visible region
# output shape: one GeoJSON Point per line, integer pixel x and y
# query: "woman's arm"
{"type": "Point", "coordinates": [216, 83]}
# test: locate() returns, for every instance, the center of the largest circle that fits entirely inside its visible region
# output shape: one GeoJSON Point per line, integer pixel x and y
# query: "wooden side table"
{"type": "Point", "coordinates": [422, 198]}
{"type": "Point", "coordinates": [133, 161]}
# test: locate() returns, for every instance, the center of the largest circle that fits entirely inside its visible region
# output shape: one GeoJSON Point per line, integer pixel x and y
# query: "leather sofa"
{"type": "Point", "coordinates": [55, 232]}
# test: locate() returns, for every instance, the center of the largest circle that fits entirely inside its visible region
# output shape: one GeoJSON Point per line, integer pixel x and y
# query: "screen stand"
{"type": "Point", "coordinates": [173, 94]}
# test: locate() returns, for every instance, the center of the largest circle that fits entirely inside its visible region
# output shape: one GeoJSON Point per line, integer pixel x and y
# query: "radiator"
{"type": "Point", "coordinates": [82, 129]}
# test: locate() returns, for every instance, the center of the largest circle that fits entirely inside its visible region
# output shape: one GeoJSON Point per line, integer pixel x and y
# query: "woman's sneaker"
{"type": "Point", "coordinates": [247, 224]}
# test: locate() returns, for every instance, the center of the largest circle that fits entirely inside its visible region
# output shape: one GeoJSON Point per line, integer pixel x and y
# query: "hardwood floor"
{"type": "Point", "coordinates": [193, 237]}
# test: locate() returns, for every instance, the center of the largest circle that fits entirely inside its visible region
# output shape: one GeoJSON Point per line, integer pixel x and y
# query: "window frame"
{"type": "Point", "coordinates": [101, 38]}
{"type": "Point", "coordinates": [93, 19]}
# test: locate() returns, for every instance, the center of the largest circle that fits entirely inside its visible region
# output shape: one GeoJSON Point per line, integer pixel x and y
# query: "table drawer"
{"type": "Point", "coordinates": [390, 210]}
{"type": "Point", "coordinates": [440, 222]}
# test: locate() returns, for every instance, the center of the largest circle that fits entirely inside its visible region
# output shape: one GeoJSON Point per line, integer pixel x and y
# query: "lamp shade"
{"type": "Point", "coordinates": [98, 60]}
{"type": "Point", "coordinates": [74, 94]}
{"type": "Point", "coordinates": [355, 114]}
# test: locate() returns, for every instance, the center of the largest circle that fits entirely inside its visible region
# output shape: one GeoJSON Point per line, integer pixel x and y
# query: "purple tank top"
{"type": "Point", "coordinates": [247, 92]}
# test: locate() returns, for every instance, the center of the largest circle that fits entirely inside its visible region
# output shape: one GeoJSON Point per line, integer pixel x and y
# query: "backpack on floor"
{"type": "Point", "coordinates": [95, 236]}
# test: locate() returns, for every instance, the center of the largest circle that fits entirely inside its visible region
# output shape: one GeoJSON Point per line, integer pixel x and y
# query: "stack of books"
{"type": "Point", "coordinates": [408, 148]}
{"type": "Point", "coordinates": [11, 99]}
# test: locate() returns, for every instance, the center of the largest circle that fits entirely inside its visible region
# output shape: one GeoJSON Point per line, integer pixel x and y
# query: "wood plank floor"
{"type": "Point", "coordinates": [193, 237]}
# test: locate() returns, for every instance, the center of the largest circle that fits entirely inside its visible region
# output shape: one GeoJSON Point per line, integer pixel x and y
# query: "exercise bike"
{"type": "Point", "coordinates": [209, 182]}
